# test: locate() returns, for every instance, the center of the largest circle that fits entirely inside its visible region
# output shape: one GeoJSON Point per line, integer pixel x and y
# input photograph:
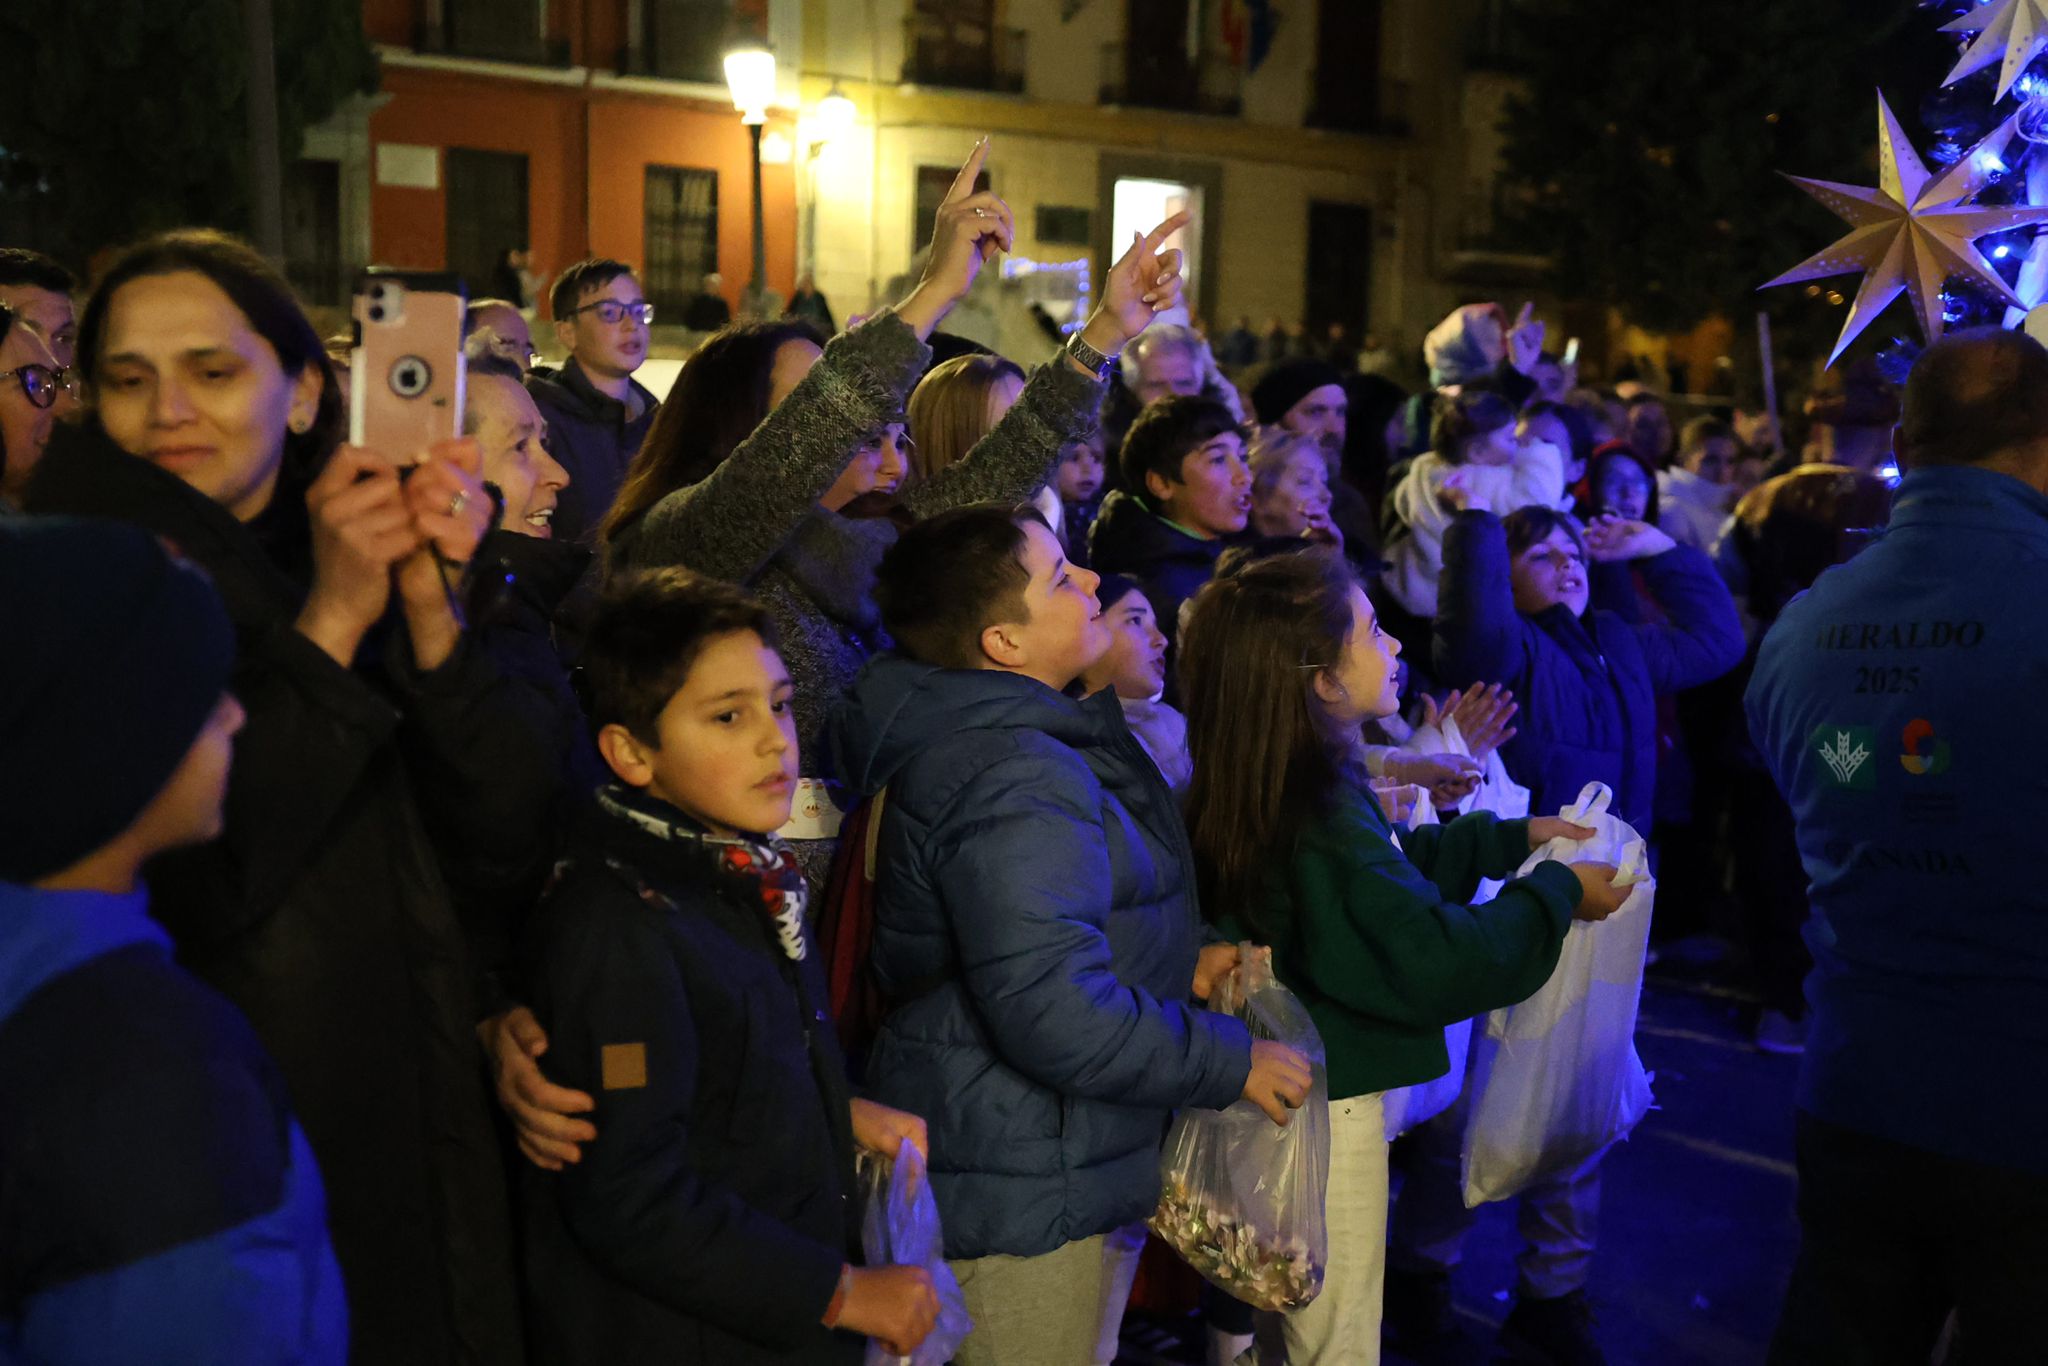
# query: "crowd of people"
{"type": "Point", "coordinates": [476, 905]}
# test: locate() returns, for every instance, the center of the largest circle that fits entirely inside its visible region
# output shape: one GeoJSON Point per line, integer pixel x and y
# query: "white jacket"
{"type": "Point", "coordinates": [1692, 510]}
{"type": "Point", "coordinates": [1534, 478]}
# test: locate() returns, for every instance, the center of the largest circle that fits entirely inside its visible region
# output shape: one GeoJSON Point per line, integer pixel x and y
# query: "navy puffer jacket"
{"type": "Point", "coordinates": [1587, 685]}
{"type": "Point", "coordinates": [1036, 926]}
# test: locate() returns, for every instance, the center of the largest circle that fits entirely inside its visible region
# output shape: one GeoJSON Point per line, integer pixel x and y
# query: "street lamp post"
{"type": "Point", "coordinates": [750, 76]}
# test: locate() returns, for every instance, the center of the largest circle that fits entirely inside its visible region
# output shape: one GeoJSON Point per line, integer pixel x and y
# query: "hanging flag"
{"type": "Point", "coordinates": [1248, 27]}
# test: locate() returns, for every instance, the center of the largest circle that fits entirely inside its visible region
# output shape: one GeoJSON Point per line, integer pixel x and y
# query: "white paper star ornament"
{"type": "Point", "coordinates": [2014, 30]}
{"type": "Point", "coordinates": [1913, 232]}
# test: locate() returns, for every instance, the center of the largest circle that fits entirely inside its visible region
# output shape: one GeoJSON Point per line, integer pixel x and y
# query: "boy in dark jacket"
{"type": "Point", "coordinates": [1035, 928]}
{"type": "Point", "coordinates": [158, 1202]}
{"type": "Point", "coordinates": [597, 413]}
{"type": "Point", "coordinates": [1186, 495]}
{"type": "Point", "coordinates": [711, 1218]}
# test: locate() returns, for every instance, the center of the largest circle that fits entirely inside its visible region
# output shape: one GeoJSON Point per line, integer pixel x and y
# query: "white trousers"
{"type": "Point", "coordinates": [1341, 1326]}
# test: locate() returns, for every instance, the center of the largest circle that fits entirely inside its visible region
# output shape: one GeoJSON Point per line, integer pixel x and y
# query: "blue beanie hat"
{"type": "Point", "coordinates": [116, 655]}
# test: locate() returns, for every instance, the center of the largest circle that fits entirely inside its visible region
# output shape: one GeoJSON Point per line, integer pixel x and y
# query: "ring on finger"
{"type": "Point", "coordinates": [458, 503]}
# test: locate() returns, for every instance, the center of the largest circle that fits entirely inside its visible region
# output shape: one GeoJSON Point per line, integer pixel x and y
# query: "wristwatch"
{"type": "Point", "coordinates": [1089, 358]}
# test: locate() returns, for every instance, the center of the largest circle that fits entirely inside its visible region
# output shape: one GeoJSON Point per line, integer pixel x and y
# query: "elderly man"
{"type": "Point", "coordinates": [1893, 704]}
{"type": "Point", "coordinates": [503, 332]}
{"type": "Point", "coordinates": [1166, 361]}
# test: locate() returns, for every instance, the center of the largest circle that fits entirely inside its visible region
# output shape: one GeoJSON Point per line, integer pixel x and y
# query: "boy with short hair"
{"type": "Point", "coordinates": [597, 413]}
{"type": "Point", "coordinates": [712, 1217]}
{"type": "Point", "coordinates": [1186, 495]}
{"type": "Point", "coordinates": [158, 1202]}
{"type": "Point", "coordinates": [1035, 928]}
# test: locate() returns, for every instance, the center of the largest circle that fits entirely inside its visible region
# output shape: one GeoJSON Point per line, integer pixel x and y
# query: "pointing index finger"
{"type": "Point", "coordinates": [1167, 229]}
{"type": "Point", "coordinates": [970, 172]}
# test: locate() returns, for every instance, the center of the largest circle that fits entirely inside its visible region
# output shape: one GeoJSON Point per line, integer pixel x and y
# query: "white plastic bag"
{"type": "Point", "coordinates": [900, 1227]}
{"type": "Point", "coordinates": [1408, 1106]}
{"type": "Point", "coordinates": [1242, 1198]}
{"type": "Point", "coordinates": [1556, 1079]}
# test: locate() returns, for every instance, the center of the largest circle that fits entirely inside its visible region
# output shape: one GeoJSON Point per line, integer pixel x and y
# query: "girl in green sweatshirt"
{"type": "Point", "coordinates": [1280, 667]}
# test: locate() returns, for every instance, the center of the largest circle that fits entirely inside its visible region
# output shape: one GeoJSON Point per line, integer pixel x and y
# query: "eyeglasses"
{"type": "Point", "coordinates": [41, 384]}
{"type": "Point", "coordinates": [610, 311]}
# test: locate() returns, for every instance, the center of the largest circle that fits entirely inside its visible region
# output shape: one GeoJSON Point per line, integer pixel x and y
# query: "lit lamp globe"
{"type": "Point", "coordinates": [835, 114]}
{"type": "Point", "coordinates": [750, 76]}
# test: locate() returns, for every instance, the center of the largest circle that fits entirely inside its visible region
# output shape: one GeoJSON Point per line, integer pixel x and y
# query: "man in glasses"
{"type": "Point", "coordinates": [30, 385]}
{"type": "Point", "coordinates": [39, 291]}
{"type": "Point", "coordinates": [596, 413]}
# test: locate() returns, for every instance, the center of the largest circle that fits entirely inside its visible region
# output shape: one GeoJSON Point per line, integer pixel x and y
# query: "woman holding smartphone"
{"type": "Point", "coordinates": [381, 757]}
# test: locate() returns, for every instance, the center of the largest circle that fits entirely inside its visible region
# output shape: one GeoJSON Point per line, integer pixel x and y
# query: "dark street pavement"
{"type": "Point", "coordinates": [1698, 1229]}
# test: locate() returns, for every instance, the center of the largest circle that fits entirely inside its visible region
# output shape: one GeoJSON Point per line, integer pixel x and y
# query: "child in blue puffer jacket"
{"type": "Point", "coordinates": [1512, 610]}
{"type": "Point", "coordinates": [1036, 932]}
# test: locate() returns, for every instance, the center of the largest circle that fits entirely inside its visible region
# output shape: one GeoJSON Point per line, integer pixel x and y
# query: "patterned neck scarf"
{"type": "Point", "coordinates": [763, 871]}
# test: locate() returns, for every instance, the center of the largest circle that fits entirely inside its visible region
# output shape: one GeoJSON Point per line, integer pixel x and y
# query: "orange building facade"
{"type": "Point", "coordinates": [582, 148]}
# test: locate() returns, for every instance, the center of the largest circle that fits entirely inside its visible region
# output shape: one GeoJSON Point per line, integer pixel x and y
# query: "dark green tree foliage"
{"type": "Point", "coordinates": [118, 117]}
{"type": "Point", "coordinates": [1645, 150]}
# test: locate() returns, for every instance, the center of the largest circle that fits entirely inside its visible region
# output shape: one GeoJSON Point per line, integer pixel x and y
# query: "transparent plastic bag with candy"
{"type": "Point", "coordinates": [1241, 1198]}
{"type": "Point", "coordinates": [900, 1227]}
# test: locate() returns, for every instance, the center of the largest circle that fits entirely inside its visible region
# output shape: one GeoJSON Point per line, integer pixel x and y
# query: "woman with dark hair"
{"type": "Point", "coordinates": [384, 755]}
{"type": "Point", "coordinates": [1619, 483]}
{"type": "Point", "coordinates": [770, 511]}
{"type": "Point", "coordinates": [725, 389]}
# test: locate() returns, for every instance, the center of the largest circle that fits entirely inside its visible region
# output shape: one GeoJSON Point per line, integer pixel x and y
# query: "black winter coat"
{"type": "Point", "coordinates": [1130, 539]}
{"type": "Point", "coordinates": [708, 1220]}
{"type": "Point", "coordinates": [324, 913]}
{"type": "Point", "coordinates": [528, 602]}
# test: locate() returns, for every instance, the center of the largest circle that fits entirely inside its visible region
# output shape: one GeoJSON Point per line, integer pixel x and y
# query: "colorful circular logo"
{"type": "Point", "coordinates": [1926, 754]}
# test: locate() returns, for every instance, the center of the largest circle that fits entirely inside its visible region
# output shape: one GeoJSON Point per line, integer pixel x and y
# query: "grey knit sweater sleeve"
{"type": "Point", "coordinates": [1012, 462]}
{"type": "Point", "coordinates": [730, 523]}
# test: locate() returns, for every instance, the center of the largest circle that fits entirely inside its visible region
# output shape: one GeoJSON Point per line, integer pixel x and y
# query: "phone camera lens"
{"type": "Point", "coordinates": [411, 377]}
{"type": "Point", "coordinates": [376, 313]}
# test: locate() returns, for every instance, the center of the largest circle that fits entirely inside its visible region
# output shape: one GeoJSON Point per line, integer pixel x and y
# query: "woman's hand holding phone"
{"type": "Point", "coordinates": [450, 513]}
{"type": "Point", "coordinates": [362, 527]}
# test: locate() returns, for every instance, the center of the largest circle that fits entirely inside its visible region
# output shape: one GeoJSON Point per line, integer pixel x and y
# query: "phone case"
{"type": "Point", "coordinates": [406, 372]}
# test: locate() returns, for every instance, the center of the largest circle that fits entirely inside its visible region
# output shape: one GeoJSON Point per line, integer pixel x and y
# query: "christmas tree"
{"type": "Point", "coordinates": [1955, 226]}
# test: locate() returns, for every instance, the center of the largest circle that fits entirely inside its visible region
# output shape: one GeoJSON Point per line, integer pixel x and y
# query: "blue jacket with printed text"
{"type": "Point", "coordinates": [1895, 704]}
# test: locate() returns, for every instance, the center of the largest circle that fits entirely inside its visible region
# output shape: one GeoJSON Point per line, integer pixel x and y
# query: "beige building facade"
{"type": "Point", "coordinates": [1344, 178]}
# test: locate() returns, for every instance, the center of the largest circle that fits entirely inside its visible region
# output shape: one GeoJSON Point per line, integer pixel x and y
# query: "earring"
{"type": "Point", "coordinates": [298, 425]}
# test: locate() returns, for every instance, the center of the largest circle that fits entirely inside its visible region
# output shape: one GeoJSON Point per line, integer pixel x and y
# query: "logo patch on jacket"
{"type": "Point", "coordinates": [1845, 753]}
{"type": "Point", "coordinates": [1926, 753]}
{"type": "Point", "coordinates": [624, 1066]}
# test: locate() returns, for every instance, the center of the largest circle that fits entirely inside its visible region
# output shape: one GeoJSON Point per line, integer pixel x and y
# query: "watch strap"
{"type": "Point", "coordinates": [1089, 358]}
